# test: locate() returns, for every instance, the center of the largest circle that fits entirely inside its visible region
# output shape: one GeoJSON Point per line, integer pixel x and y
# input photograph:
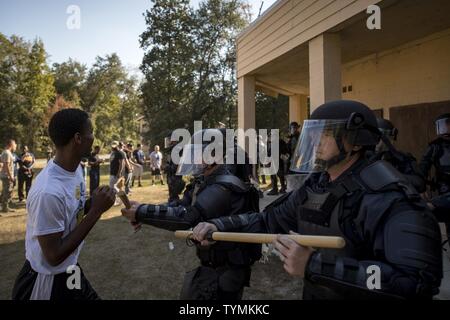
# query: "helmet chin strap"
{"type": "Point", "coordinates": [341, 156]}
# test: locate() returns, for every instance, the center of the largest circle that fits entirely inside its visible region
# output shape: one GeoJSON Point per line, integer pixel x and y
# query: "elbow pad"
{"type": "Point", "coordinates": [164, 217]}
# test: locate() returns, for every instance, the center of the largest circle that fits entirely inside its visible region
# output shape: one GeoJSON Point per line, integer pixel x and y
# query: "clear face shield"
{"type": "Point", "coordinates": [320, 144]}
{"type": "Point", "coordinates": [443, 127]}
{"type": "Point", "coordinates": [191, 162]}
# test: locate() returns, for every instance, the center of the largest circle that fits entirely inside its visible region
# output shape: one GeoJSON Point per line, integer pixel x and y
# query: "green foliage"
{"type": "Point", "coordinates": [31, 92]}
{"type": "Point", "coordinates": [112, 99]}
{"type": "Point", "coordinates": [26, 90]}
{"type": "Point", "coordinates": [69, 77]}
{"type": "Point", "coordinates": [272, 113]}
{"type": "Point", "coordinates": [189, 64]}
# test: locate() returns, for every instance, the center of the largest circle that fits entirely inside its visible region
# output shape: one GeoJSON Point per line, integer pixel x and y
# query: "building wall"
{"type": "Point", "coordinates": [410, 83]}
{"type": "Point", "coordinates": [414, 73]}
{"type": "Point", "coordinates": [289, 24]}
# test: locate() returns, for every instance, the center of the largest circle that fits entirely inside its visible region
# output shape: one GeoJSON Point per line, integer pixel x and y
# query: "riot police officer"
{"type": "Point", "coordinates": [220, 189]}
{"type": "Point", "coordinates": [437, 155]}
{"type": "Point", "coordinates": [175, 182]}
{"type": "Point", "coordinates": [404, 162]}
{"type": "Point", "coordinates": [381, 217]}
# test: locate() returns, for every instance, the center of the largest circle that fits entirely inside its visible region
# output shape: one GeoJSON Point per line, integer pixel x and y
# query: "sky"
{"type": "Point", "coordinates": [106, 26]}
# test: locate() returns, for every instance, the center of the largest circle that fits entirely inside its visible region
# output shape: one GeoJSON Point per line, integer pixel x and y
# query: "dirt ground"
{"type": "Point", "coordinates": [121, 264]}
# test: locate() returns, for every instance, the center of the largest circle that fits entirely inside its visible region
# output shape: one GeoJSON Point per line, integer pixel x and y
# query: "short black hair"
{"type": "Point", "coordinates": [65, 123]}
{"type": "Point", "coordinates": [138, 145]}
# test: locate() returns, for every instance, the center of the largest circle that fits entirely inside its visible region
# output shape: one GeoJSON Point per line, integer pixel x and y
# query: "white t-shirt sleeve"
{"type": "Point", "coordinates": [50, 215]}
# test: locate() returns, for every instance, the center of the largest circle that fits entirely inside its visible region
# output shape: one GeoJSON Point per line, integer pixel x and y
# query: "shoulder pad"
{"type": "Point", "coordinates": [212, 200]}
{"type": "Point", "coordinates": [279, 200]}
{"type": "Point", "coordinates": [379, 175]}
{"type": "Point", "coordinates": [230, 182]}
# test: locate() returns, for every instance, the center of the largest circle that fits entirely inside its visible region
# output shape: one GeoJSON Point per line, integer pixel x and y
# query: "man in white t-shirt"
{"type": "Point", "coordinates": [155, 165]}
{"type": "Point", "coordinates": [59, 217]}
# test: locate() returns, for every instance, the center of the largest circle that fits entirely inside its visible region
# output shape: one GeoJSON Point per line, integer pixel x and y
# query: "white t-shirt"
{"type": "Point", "coordinates": [156, 159]}
{"type": "Point", "coordinates": [55, 204]}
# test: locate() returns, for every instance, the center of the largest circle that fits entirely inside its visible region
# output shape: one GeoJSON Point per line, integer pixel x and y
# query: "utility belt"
{"type": "Point", "coordinates": [220, 255]}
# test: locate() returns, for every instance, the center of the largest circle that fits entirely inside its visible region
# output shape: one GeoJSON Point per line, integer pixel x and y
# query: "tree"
{"type": "Point", "coordinates": [30, 93]}
{"type": "Point", "coordinates": [189, 64]}
{"type": "Point", "coordinates": [26, 90]}
{"type": "Point", "coordinates": [272, 112]}
{"type": "Point", "coordinates": [111, 98]}
{"type": "Point", "coordinates": [69, 77]}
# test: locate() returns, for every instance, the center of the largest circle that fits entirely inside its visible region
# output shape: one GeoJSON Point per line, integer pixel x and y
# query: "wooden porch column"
{"type": "Point", "coordinates": [246, 104]}
{"type": "Point", "coordinates": [298, 108]}
{"type": "Point", "coordinates": [324, 69]}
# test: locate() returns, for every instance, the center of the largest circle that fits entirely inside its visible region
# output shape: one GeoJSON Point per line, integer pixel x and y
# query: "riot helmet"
{"type": "Point", "coordinates": [329, 136]}
{"type": "Point", "coordinates": [443, 125]}
{"type": "Point", "coordinates": [388, 131]}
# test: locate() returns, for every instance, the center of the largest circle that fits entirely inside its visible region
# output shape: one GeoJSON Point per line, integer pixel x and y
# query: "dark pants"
{"type": "Point", "coordinates": [223, 283]}
{"type": "Point", "coordinates": [176, 186]}
{"type": "Point", "coordinates": [280, 174]}
{"type": "Point", "coordinates": [274, 182]}
{"type": "Point", "coordinates": [23, 287]}
{"type": "Point", "coordinates": [94, 181]}
{"type": "Point", "coordinates": [24, 179]}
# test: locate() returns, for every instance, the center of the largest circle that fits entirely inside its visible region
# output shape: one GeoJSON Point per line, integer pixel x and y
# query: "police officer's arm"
{"type": "Point", "coordinates": [212, 202]}
{"type": "Point", "coordinates": [407, 251]}
{"type": "Point", "coordinates": [278, 217]}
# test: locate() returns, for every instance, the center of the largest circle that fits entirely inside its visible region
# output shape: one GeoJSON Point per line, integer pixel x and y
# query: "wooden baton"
{"type": "Point", "coordinates": [304, 240]}
{"type": "Point", "coordinates": [121, 194]}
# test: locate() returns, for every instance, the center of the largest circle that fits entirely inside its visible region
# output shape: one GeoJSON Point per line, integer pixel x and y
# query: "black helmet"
{"type": "Point", "coordinates": [387, 128]}
{"type": "Point", "coordinates": [443, 125]}
{"type": "Point", "coordinates": [360, 119]}
{"type": "Point", "coordinates": [342, 120]}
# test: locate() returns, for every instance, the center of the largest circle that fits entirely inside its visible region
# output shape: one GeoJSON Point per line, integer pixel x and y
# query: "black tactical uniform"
{"type": "Point", "coordinates": [437, 155]}
{"type": "Point", "coordinates": [175, 182]}
{"type": "Point", "coordinates": [225, 267]}
{"type": "Point", "coordinates": [370, 205]}
{"type": "Point", "coordinates": [404, 162]}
